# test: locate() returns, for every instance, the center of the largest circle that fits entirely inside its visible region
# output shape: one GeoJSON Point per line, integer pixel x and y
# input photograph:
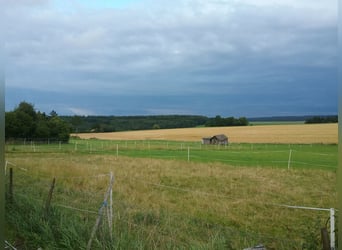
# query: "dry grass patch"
{"type": "Point", "coordinates": [173, 198]}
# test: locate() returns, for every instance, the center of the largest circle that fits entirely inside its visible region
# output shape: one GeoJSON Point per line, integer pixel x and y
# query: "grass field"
{"type": "Point", "coordinates": [312, 156]}
{"type": "Point", "coordinates": [222, 198]}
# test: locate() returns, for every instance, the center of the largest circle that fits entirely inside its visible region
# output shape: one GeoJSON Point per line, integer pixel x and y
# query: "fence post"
{"type": "Point", "coordinates": [289, 161]}
{"type": "Point", "coordinates": [110, 210]}
{"type": "Point", "coordinates": [188, 154]}
{"type": "Point", "coordinates": [11, 185]}
{"type": "Point", "coordinates": [98, 220]}
{"type": "Point", "coordinates": [49, 197]}
{"type": "Point", "coordinates": [332, 228]}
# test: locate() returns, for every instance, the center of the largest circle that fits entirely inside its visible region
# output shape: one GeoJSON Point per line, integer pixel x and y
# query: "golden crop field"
{"type": "Point", "coordinates": [292, 133]}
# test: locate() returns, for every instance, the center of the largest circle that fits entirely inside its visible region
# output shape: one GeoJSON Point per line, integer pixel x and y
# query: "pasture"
{"type": "Point", "coordinates": [171, 194]}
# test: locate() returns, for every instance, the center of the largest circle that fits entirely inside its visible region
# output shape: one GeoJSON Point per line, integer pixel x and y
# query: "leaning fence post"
{"type": "Point", "coordinates": [6, 167]}
{"type": "Point", "coordinates": [110, 210]}
{"type": "Point", "coordinates": [49, 197]}
{"type": "Point", "coordinates": [98, 220]}
{"type": "Point", "coordinates": [11, 185]}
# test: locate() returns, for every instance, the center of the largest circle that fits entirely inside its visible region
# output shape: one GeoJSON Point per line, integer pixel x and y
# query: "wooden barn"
{"type": "Point", "coordinates": [216, 140]}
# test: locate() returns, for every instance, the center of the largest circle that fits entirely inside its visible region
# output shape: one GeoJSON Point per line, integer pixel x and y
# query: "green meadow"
{"type": "Point", "coordinates": [311, 156]}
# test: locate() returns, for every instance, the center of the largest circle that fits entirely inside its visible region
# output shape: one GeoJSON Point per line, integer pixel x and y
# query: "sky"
{"type": "Point", "coordinates": [249, 58]}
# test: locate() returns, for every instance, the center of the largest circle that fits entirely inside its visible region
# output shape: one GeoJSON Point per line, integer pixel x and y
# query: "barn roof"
{"type": "Point", "coordinates": [221, 137]}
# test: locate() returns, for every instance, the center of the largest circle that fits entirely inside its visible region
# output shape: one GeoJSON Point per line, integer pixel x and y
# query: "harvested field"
{"type": "Point", "coordinates": [296, 133]}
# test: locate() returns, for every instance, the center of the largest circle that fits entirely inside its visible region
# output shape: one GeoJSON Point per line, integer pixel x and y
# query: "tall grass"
{"type": "Point", "coordinates": [165, 204]}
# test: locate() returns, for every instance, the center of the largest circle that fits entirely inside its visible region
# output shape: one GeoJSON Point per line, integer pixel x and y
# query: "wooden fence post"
{"type": "Point", "coordinates": [11, 185]}
{"type": "Point", "coordinates": [49, 197]}
{"type": "Point", "coordinates": [325, 238]}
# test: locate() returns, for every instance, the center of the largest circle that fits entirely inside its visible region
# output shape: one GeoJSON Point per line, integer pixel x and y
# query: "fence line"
{"type": "Point", "coordinates": [174, 188]}
{"type": "Point", "coordinates": [332, 220]}
{"type": "Point", "coordinates": [178, 188]}
{"type": "Point", "coordinates": [234, 230]}
{"type": "Point", "coordinates": [312, 164]}
{"type": "Point", "coordinates": [61, 205]}
{"type": "Point", "coordinates": [62, 177]}
{"type": "Point", "coordinates": [331, 210]}
{"type": "Point", "coordinates": [231, 149]}
{"type": "Point", "coordinates": [213, 194]}
{"type": "Point", "coordinates": [242, 161]}
{"type": "Point", "coordinates": [313, 153]}
{"type": "Point", "coordinates": [244, 233]}
{"type": "Point", "coordinates": [9, 245]}
{"type": "Point", "coordinates": [76, 209]}
{"type": "Point", "coordinates": [183, 189]}
{"type": "Point", "coordinates": [300, 207]}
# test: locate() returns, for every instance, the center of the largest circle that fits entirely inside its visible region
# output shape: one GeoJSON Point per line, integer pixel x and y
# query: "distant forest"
{"type": "Point", "coordinates": [322, 119]}
{"type": "Point", "coordinates": [25, 122]}
{"type": "Point", "coordinates": [305, 119]}
{"type": "Point", "coordinates": [82, 124]}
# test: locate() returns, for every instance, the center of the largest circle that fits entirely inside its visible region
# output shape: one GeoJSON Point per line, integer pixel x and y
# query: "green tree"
{"type": "Point", "coordinates": [42, 130]}
{"type": "Point", "coordinates": [25, 122]}
{"type": "Point", "coordinates": [12, 127]}
{"type": "Point", "coordinates": [76, 121]}
{"type": "Point", "coordinates": [27, 108]}
{"type": "Point", "coordinates": [59, 129]}
{"type": "Point", "coordinates": [156, 126]}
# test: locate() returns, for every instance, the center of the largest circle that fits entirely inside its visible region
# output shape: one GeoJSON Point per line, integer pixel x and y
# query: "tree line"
{"type": "Point", "coordinates": [82, 124]}
{"type": "Point", "coordinates": [27, 123]}
{"type": "Point", "coordinates": [219, 121]}
{"type": "Point", "coordinates": [322, 119]}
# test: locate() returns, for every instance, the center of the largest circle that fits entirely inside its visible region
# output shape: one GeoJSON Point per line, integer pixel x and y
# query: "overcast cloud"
{"type": "Point", "coordinates": [226, 57]}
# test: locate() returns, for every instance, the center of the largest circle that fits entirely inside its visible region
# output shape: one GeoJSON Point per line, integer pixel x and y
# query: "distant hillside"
{"type": "Point", "coordinates": [287, 118]}
{"type": "Point", "coordinates": [128, 123]}
{"type": "Point", "coordinates": [279, 119]}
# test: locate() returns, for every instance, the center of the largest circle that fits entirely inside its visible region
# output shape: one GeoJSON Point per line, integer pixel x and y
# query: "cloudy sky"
{"type": "Point", "coordinates": [145, 57]}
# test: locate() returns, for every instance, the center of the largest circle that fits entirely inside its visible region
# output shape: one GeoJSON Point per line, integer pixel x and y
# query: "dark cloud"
{"type": "Point", "coordinates": [189, 52]}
